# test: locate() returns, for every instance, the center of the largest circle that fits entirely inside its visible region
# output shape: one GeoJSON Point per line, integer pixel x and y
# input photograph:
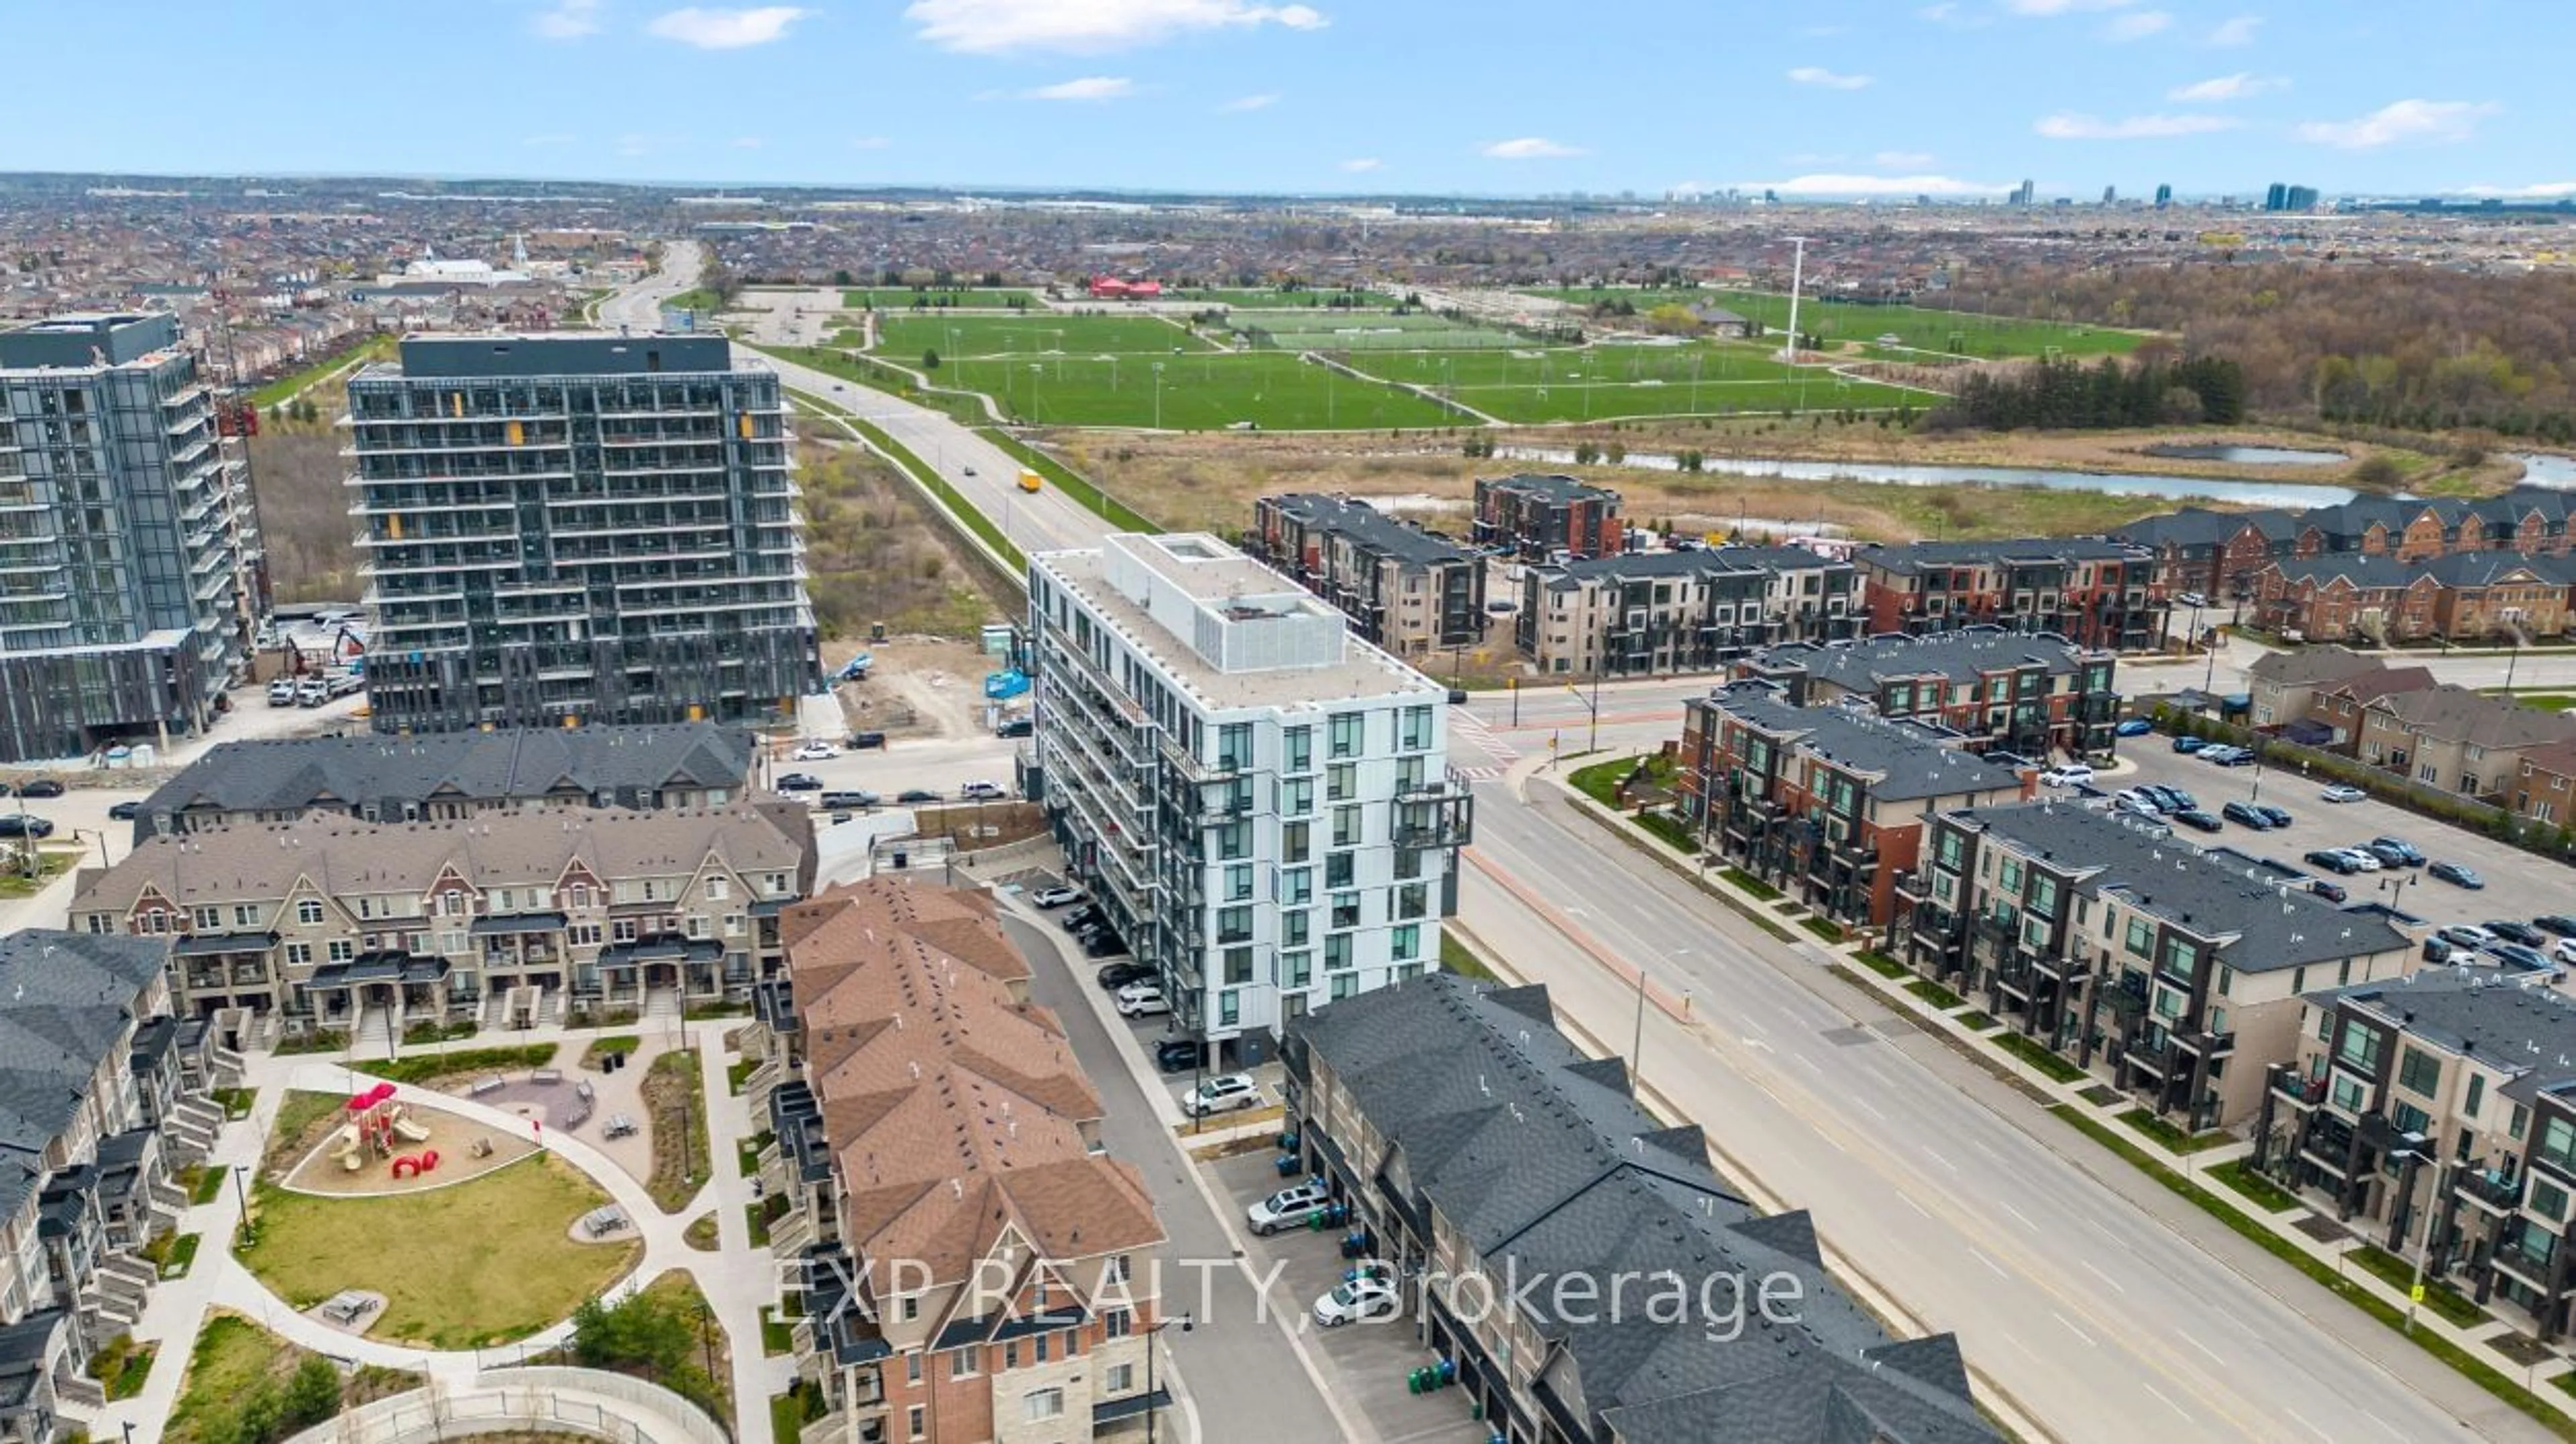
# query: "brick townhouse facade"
{"type": "Point", "coordinates": [1404, 589]}
{"type": "Point", "coordinates": [2093, 592]}
{"type": "Point", "coordinates": [2000, 691]}
{"type": "Point", "coordinates": [1538, 516]}
{"type": "Point", "coordinates": [1655, 613]}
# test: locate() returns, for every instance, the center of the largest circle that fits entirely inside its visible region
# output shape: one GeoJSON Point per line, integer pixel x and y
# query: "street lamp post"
{"type": "Point", "coordinates": [1158, 396]}
{"type": "Point", "coordinates": [1153, 1336]}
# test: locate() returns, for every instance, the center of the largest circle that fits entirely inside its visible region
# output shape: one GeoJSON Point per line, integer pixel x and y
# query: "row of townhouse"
{"type": "Point", "coordinates": [2002, 691]}
{"type": "Point", "coordinates": [1649, 613]}
{"type": "Point", "coordinates": [2094, 592]}
{"type": "Point", "coordinates": [1528, 1203]}
{"type": "Point", "coordinates": [2175, 973]}
{"type": "Point", "coordinates": [328, 922]}
{"type": "Point", "coordinates": [2439, 735]}
{"type": "Point", "coordinates": [449, 776]}
{"type": "Point", "coordinates": [103, 1096]}
{"type": "Point", "coordinates": [2220, 554]}
{"type": "Point", "coordinates": [970, 1265]}
{"type": "Point", "coordinates": [2458, 597]}
{"type": "Point", "coordinates": [1543, 517]}
{"type": "Point", "coordinates": [1405, 589]}
{"type": "Point", "coordinates": [1825, 802]}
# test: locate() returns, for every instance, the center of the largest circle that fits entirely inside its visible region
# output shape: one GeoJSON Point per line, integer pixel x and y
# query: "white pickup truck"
{"type": "Point", "coordinates": [281, 693]}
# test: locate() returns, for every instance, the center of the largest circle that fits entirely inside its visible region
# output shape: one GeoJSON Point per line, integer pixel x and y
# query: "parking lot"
{"type": "Point", "coordinates": [1364, 1363]}
{"type": "Point", "coordinates": [2519, 885]}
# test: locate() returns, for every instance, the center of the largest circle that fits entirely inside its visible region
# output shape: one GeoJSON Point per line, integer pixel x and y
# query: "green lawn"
{"type": "Point", "coordinates": [903, 337]}
{"type": "Point", "coordinates": [422, 1067]}
{"type": "Point", "coordinates": [907, 298]}
{"type": "Point", "coordinates": [1879, 963]}
{"type": "Point", "coordinates": [1917, 328]}
{"type": "Point", "coordinates": [1072, 483]}
{"type": "Point", "coordinates": [1368, 331]}
{"type": "Point", "coordinates": [2271, 1197]}
{"type": "Point", "coordinates": [1455, 958]}
{"type": "Point", "coordinates": [1934, 994]}
{"type": "Point", "coordinates": [1565, 383]}
{"type": "Point", "coordinates": [1203, 391]}
{"type": "Point", "coordinates": [1318, 301]}
{"type": "Point", "coordinates": [2037, 1055]}
{"type": "Point", "coordinates": [2439, 1297]}
{"type": "Point", "coordinates": [293, 384]}
{"type": "Point", "coordinates": [474, 1263]}
{"type": "Point", "coordinates": [2169, 1134]}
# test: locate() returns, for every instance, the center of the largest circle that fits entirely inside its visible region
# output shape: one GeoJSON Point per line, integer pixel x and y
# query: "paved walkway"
{"type": "Point", "coordinates": [737, 1279]}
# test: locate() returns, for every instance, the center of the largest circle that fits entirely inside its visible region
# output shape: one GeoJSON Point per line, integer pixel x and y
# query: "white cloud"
{"type": "Point", "coordinates": [2540, 191]}
{"type": "Point", "coordinates": [1875, 185]}
{"type": "Point", "coordinates": [727, 29]}
{"type": "Point", "coordinates": [2426, 120]}
{"type": "Point", "coordinates": [1901, 159]}
{"type": "Point", "coordinates": [1092, 25]}
{"type": "Point", "coordinates": [1530, 147]}
{"type": "Point", "coordinates": [1089, 87]}
{"type": "Point", "coordinates": [2139, 24]}
{"type": "Point", "coordinates": [568, 20]}
{"type": "Point", "coordinates": [2237, 31]}
{"type": "Point", "coordinates": [1242, 103]}
{"type": "Point", "coordinates": [2062, 7]}
{"type": "Point", "coordinates": [1362, 165]}
{"type": "Point", "coordinates": [2067, 125]}
{"type": "Point", "coordinates": [1818, 75]}
{"type": "Point", "coordinates": [2242, 85]}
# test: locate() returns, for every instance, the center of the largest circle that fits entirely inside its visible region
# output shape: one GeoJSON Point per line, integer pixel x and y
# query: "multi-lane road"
{"type": "Point", "coordinates": [2104, 1309]}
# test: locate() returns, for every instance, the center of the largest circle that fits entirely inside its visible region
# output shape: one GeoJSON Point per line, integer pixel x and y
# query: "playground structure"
{"type": "Point", "coordinates": [378, 1123]}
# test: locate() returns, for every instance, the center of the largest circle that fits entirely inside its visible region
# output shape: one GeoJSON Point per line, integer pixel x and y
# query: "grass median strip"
{"type": "Point", "coordinates": [1069, 481]}
{"type": "Point", "coordinates": [929, 480]}
{"type": "Point", "coordinates": [2484, 1375]}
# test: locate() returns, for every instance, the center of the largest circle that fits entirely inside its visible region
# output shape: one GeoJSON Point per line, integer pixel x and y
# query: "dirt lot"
{"type": "Point", "coordinates": [877, 557]}
{"type": "Point", "coordinates": [1209, 483]}
{"type": "Point", "coordinates": [920, 686]}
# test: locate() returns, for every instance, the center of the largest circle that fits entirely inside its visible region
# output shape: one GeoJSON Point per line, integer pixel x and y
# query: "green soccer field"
{"type": "Point", "coordinates": [1608, 400]}
{"type": "Point", "coordinates": [905, 298]}
{"type": "Point", "coordinates": [1533, 366]}
{"type": "Point", "coordinates": [904, 337]}
{"type": "Point", "coordinates": [1366, 331]}
{"type": "Point", "coordinates": [1318, 301]}
{"type": "Point", "coordinates": [1203, 391]}
{"type": "Point", "coordinates": [1917, 329]}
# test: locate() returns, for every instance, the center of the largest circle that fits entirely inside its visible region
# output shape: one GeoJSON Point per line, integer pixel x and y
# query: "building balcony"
{"type": "Point", "coordinates": [2532, 1272]}
{"type": "Point", "coordinates": [2299, 1093]}
{"type": "Point", "coordinates": [2493, 1190]}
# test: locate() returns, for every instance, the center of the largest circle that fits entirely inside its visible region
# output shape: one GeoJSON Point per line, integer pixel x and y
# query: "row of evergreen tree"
{"type": "Point", "coordinates": [2068, 395]}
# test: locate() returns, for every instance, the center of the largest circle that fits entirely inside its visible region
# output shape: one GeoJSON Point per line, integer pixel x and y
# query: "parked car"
{"type": "Point", "coordinates": [1356, 1299]}
{"type": "Point", "coordinates": [281, 693]}
{"type": "Point", "coordinates": [2067, 776]}
{"type": "Point", "coordinates": [917, 794]}
{"type": "Point", "coordinates": [2139, 800]}
{"type": "Point", "coordinates": [981, 791]}
{"type": "Point", "coordinates": [2247, 814]}
{"type": "Point", "coordinates": [1223, 1094]}
{"type": "Point", "coordinates": [2459, 874]}
{"type": "Point", "coordinates": [1016, 727]}
{"type": "Point", "coordinates": [2133, 727]}
{"type": "Point", "coordinates": [2341, 793]}
{"type": "Point", "coordinates": [1143, 1000]}
{"type": "Point", "coordinates": [1082, 914]}
{"type": "Point", "coordinates": [2197, 820]}
{"type": "Point", "coordinates": [864, 740]}
{"type": "Point", "coordinates": [2171, 799]}
{"type": "Point", "coordinates": [2559, 923]}
{"type": "Point", "coordinates": [2279, 818]}
{"type": "Point", "coordinates": [814, 751]}
{"type": "Point", "coordinates": [800, 782]}
{"type": "Point", "coordinates": [2465, 935]}
{"type": "Point", "coordinates": [2187, 745]}
{"type": "Point", "coordinates": [1176, 1055]}
{"type": "Point", "coordinates": [1118, 975]}
{"type": "Point", "coordinates": [25, 824]}
{"type": "Point", "coordinates": [126, 811]}
{"type": "Point", "coordinates": [2330, 891]}
{"type": "Point", "coordinates": [1056, 897]}
{"type": "Point", "coordinates": [2407, 856]}
{"type": "Point", "coordinates": [2565, 951]}
{"type": "Point", "coordinates": [2333, 860]}
{"type": "Point", "coordinates": [2388, 856]}
{"type": "Point", "coordinates": [1103, 944]}
{"type": "Point", "coordinates": [859, 798]}
{"type": "Point", "coordinates": [2517, 932]}
{"type": "Point", "coordinates": [40, 787]}
{"type": "Point", "coordinates": [2529, 959]}
{"type": "Point", "coordinates": [2362, 858]}
{"type": "Point", "coordinates": [1290, 1207]}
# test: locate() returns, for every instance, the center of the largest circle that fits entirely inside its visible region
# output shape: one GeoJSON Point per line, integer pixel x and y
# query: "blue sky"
{"type": "Point", "coordinates": [1492, 97]}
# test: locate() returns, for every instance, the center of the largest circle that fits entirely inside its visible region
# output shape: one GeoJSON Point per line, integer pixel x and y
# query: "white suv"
{"type": "Point", "coordinates": [1221, 1095]}
{"type": "Point", "coordinates": [2066, 776]}
{"type": "Point", "coordinates": [1289, 1207]}
{"type": "Point", "coordinates": [982, 792]}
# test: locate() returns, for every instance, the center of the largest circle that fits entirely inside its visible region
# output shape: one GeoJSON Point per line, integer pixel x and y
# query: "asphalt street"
{"type": "Point", "coordinates": [2102, 1306]}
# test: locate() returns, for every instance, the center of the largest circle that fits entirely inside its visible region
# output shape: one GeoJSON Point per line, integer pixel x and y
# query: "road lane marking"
{"type": "Point", "coordinates": [1908, 1200]}
{"type": "Point", "coordinates": [2069, 1325]}
{"type": "Point", "coordinates": [2213, 1354]}
{"type": "Point", "coordinates": [2106, 1278]}
{"type": "Point", "coordinates": [1990, 1263]}
{"type": "Point", "coordinates": [2177, 1408]}
{"type": "Point", "coordinates": [1935, 1155]}
{"type": "Point", "coordinates": [1870, 1108]}
{"type": "Point", "coordinates": [2017, 1213]}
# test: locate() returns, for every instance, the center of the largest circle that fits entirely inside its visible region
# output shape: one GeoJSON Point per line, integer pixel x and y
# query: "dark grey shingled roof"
{"type": "Point", "coordinates": [1371, 528]}
{"type": "Point", "coordinates": [1864, 666]}
{"type": "Point", "coordinates": [2365, 570]}
{"type": "Point", "coordinates": [1905, 557]}
{"type": "Point", "coordinates": [66, 1000]}
{"type": "Point", "coordinates": [1554, 486]}
{"type": "Point", "coordinates": [291, 774]}
{"type": "Point", "coordinates": [2487, 569]}
{"type": "Point", "coordinates": [2195, 526]}
{"type": "Point", "coordinates": [2261, 924]}
{"type": "Point", "coordinates": [1716, 561]}
{"type": "Point", "coordinates": [1549, 1166]}
{"type": "Point", "coordinates": [2509, 1021]}
{"type": "Point", "coordinates": [1908, 760]}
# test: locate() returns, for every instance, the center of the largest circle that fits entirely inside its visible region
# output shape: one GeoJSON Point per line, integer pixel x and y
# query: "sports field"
{"type": "Point", "coordinates": [1601, 382]}
{"type": "Point", "coordinates": [1366, 331]}
{"type": "Point", "coordinates": [905, 298]}
{"type": "Point", "coordinates": [1203, 391]}
{"type": "Point", "coordinates": [902, 337]}
{"type": "Point", "coordinates": [1915, 328]}
{"type": "Point", "coordinates": [1277, 300]}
